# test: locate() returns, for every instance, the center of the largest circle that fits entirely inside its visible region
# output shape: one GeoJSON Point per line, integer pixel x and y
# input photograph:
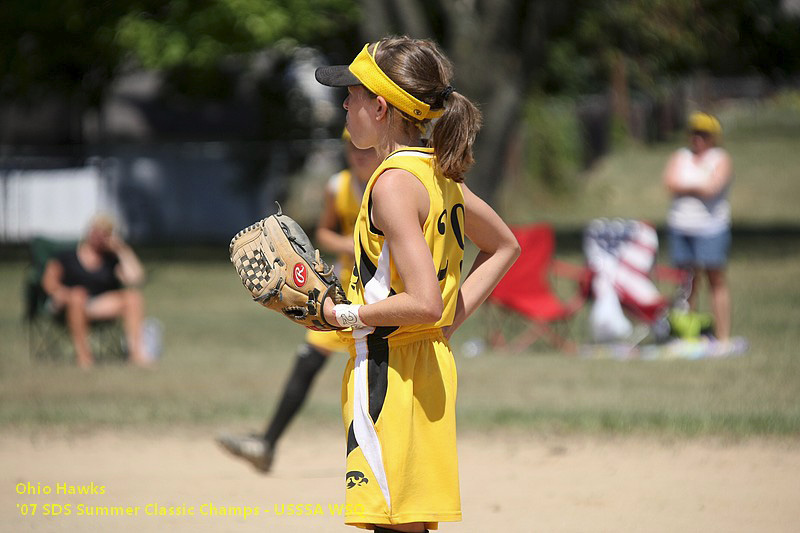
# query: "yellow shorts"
{"type": "Point", "coordinates": [327, 340]}
{"type": "Point", "coordinates": [398, 406]}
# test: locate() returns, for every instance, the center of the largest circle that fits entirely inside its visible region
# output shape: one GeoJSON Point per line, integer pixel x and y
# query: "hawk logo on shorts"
{"type": "Point", "coordinates": [354, 478]}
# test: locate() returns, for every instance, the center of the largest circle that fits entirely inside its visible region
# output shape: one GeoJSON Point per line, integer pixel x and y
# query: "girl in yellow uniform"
{"type": "Point", "coordinates": [399, 387]}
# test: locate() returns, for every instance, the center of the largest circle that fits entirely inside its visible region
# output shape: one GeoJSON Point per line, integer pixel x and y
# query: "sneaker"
{"type": "Point", "coordinates": [726, 348]}
{"type": "Point", "coordinates": [252, 448]}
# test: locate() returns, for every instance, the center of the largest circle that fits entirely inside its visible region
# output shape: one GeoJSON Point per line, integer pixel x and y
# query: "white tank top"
{"type": "Point", "coordinates": [694, 215]}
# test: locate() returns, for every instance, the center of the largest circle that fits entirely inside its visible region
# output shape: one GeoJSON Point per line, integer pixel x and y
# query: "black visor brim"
{"type": "Point", "coordinates": [336, 76]}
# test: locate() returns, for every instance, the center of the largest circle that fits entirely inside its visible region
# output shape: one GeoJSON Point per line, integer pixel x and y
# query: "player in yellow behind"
{"type": "Point", "coordinates": [334, 234]}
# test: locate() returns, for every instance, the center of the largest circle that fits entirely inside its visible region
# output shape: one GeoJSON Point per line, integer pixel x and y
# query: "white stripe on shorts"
{"type": "Point", "coordinates": [363, 428]}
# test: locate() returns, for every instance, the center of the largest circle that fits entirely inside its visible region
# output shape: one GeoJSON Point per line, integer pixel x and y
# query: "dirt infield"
{"type": "Point", "coordinates": [509, 483]}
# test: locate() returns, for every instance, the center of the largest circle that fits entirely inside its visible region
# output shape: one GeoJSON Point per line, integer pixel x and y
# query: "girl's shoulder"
{"type": "Point", "coordinates": [335, 181]}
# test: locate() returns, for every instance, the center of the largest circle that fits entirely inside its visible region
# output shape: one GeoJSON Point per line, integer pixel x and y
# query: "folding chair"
{"type": "Point", "coordinates": [526, 292]}
{"type": "Point", "coordinates": [48, 336]}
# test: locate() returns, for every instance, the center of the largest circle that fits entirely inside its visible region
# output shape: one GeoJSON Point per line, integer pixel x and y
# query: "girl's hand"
{"type": "Point", "coordinates": [327, 312]}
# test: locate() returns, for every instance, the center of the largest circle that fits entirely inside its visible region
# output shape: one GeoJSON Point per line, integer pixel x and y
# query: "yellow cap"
{"type": "Point", "coordinates": [704, 122]}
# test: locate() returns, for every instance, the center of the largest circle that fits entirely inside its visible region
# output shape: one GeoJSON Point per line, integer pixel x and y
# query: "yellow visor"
{"type": "Point", "coordinates": [367, 72]}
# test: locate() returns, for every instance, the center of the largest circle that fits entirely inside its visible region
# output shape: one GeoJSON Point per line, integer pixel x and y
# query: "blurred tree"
{"type": "Point", "coordinates": [199, 34]}
{"type": "Point", "coordinates": [75, 48]}
{"type": "Point", "coordinates": [638, 40]}
{"type": "Point", "coordinates": [206, 48]}
{"type": "Point", "coordinates": [64, 47]}
{"type": "Point", "coordinates": [754, 36]}
{"type": "Point", "coordinates": [497, 47]}
{"type": "Point", "coordinates": [627, 45]}
{"type": "Point", "coordinates": [635, 45]}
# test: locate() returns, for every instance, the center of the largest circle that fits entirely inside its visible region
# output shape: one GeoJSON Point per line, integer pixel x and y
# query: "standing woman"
{"type": "Point", "coordinates": [399, 386]}
{"type": "Point", "coordinates": [699, 221]}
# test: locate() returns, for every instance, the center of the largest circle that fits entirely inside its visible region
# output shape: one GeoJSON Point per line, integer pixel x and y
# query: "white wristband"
{"type": "Point", "coordinates": [347, 315]}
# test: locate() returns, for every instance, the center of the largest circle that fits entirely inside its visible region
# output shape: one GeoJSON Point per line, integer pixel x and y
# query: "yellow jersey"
{"type": "Point", "coordinates": [347, 192]}
{"type": "Point", "coordinates": [375, 277]}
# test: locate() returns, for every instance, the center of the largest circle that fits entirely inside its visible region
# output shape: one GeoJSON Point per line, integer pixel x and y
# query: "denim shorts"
{"type": "Point", "coordinates": [703, 251]}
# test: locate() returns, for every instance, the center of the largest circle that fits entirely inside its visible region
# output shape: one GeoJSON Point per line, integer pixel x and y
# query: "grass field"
{"type": "Point", "coordinates": [226, 359]}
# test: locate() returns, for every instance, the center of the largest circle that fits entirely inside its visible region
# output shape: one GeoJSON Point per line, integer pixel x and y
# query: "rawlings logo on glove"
{"type": "Point", "coordinates": [283, 271]}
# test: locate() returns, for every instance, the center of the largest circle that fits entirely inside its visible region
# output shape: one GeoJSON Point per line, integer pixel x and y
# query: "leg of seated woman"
{"type": "Point", "coordinates": [128, 305]}
{"type": "Point", "coordinates": [78, 324]}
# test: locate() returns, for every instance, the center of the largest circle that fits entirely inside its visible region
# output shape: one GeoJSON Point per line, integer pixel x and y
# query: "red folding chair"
{"type": "Point", "coordinates": [526, 291]}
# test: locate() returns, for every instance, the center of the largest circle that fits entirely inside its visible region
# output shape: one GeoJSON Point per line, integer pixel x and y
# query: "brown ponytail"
{"type": "Point", "coordinates": [454, 134]}
{"type": "Point", "coordinates": [422, 70]}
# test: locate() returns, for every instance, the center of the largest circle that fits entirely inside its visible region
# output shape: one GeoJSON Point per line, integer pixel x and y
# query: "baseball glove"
{"type": "Point", "coordinates": [282, 270]}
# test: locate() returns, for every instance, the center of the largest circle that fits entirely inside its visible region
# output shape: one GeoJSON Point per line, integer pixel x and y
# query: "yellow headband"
{"type": "Point", "coordinates": [373, 78]}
